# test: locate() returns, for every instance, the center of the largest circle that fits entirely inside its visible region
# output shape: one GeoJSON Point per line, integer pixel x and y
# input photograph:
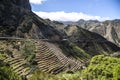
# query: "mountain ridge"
{"type": "Point", "coordinates": [109, 29]}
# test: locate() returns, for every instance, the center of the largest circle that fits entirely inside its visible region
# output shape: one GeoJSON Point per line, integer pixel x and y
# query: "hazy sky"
{"type": "Point", "coordinates": [73, 10]}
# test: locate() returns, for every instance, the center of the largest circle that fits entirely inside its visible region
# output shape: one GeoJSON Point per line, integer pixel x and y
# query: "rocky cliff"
{"type": "Point", "coordinates": [12, 11]}
{"type": "Point", "coordinates": [22, 3]}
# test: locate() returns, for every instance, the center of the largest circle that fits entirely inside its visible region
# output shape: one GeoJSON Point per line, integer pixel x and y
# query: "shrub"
{"type": "Point", "coordinates": [73, 76]}
{"type": "Point", "coordinates": [28, 51]}
{"type": "Point", "coordinates": [102, 68]}
{"type": "Point", "coordinates": [38, 75]}
{"type": "Point", "coordinates": [7, 74]}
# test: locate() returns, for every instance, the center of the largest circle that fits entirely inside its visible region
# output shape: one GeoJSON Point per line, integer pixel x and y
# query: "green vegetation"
{"type": "Point", "coordinates": [70, 49]}
{"type": "Point", "coordinates": [38, 75]}
{"type": "Point", "coordinates": [7, 74]}
{"type": "Point", "coordinates": [68, 76]}
{"type": "Point", "coordinates": [28, 52]}
{"type": "Point", "coordinates": [102, 68]}
{"type": "Point", "coordinates": [2, 56]}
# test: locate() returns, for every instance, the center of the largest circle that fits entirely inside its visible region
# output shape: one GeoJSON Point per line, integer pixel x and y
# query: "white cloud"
{"type": "Point", "coordinates": [73, 16]}
{"type": "Point", "coordinates": [36, 1]}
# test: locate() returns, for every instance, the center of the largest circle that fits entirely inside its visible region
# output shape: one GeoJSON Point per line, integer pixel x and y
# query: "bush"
{"type": "Point", "coordinates": [66, 76]}
{"type": "Point", "coordinates": [2, 56]}
{"type": "Point", "coordinates": [102, 68]}
{"type": "Point", "coordinates": [38, 75]}
{"type": "Point", "coordinates": [7, 74]}
{"type": "Point", "coordinates": [28, 52]}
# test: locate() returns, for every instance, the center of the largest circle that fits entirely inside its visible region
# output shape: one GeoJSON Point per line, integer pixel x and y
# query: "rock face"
{"type": "Point", "coordinates": [11, 11]}
{"type": "Point", "coordinates": [17, 19]}
{"type": "Point", "coordinates": [22, 3]}
{"type": "Point", "coordinates": [108, 29]}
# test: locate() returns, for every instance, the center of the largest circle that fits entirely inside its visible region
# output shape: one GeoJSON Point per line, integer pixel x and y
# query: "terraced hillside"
{"type": "Point", "coordinates": [14, 57]}
{"type": "Point", "coordinates": [48, 57]}
{"type": "Point", "coordinates": [19, 65]}
{"type": "Point", "coordinates": [51, 59]}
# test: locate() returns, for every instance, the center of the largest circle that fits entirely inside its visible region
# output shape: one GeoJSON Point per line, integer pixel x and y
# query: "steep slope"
{"type": "Point", "coordinates": [13, 56]}
{"type": "Point", "coordinates": [51, 59]}
{"type": "Point", "coordinates": [17, 19]}
{"type": "Point", "coordinates": [109, 29]}
{"type": "Point", "coordinates": [91, 42]}
{"type": "Point", "coordinates": [58, 26]}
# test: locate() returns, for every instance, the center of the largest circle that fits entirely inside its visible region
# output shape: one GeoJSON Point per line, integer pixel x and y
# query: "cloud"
{"type": "Point", "coordinates": [36, 1]}
{"type": "Point", "coordinates": [73, 16]}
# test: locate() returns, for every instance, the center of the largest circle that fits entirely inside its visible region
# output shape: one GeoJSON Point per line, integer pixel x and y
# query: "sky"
{"type": "Point", "coordinates": [74, 10]}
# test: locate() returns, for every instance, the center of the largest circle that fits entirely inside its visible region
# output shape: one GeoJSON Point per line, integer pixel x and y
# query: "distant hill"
{"type": "Point", "coordinates": [67, 22]}
{"type": "Point", "coordinates": [109, 29]}
{"type": "Point", "coordinates": [91, 42]}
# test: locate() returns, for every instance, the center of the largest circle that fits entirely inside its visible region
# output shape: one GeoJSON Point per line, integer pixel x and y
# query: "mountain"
{"type": "Point", "coordinates": [17, 19]}
{"type": "Point", "coordinates": [67, 22]}
{"type": "Point", "coordinates": [30, 45]}
{"type": "Point", "coordinates": [109, 29]}
{"type": "Point", "coordinates": [91, 42]}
